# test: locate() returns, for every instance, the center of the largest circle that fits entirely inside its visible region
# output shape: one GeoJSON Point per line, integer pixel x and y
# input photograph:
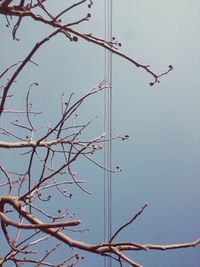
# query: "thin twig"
{"type": "Point", "coordinates": [129, 222]}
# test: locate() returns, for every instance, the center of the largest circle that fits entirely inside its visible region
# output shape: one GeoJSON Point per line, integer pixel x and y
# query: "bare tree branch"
{"type": "Point", "coordinates": [48, 155]}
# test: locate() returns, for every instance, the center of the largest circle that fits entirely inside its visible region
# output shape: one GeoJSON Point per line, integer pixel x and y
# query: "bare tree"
{"type": "Point", "coordinates": [25, 221]}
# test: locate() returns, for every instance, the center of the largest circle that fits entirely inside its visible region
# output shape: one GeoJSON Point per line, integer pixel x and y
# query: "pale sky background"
{"type": "Point", "coordinates": [160, 161]}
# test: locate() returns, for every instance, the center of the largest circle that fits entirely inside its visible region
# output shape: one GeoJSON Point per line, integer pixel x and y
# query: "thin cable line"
{"type": "Point", "coordinates": [108, 129]}
{"type": "Point", "coordinates": [105, 130]}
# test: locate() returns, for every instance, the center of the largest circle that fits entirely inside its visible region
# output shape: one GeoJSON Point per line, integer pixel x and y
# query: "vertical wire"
{"type": "Point", "coordinates": [108, 129]}
{"type": "Point", "coordinates": [110, 123]}
{"type": "Point", "coordinates": [105, 131]}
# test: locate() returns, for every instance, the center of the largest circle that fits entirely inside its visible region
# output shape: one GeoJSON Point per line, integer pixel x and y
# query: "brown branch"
{"type": "Point", "coordinates": [70, 111]}
{"type": "Point", "coordinates": [174, 246]}
{"type": "Point", "coordinates": [106, 45]}
{"type": "Point", "coordinates": [7, 69]}
{"type": "Point", "coordinates": [68, 9]}
{"type": "Point", "coordinates": [88, 37]}
{"type": "Point", "coordinates": [8, 221]}
{"type": "Point", "coordinates": [22, 65]}
{"type": "Point", "coordinates": [124, 257]}
{"type": "Point", "coordinates": [68, 163]}
{"type": "Point", "coordinates": [9, 179]}
{"type": "Point", "coordinates": [33, 144]}
{"type": "Point", "coordinates": [128, 223]}
{"type": "Point", "coordinates": [22, 112]}
{"type": "Point", "coordinates": [76, 148]}
{"type": "Point", "coordinates": [102, 248]}
{"type": "Point", "coordinates": [86, 18]}
{"type": "Point", "coordinates": [5, 3]}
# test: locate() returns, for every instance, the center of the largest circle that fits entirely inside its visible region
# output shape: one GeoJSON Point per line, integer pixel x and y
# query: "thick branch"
{"type": "Point", "coordinates": [8, 221]}
{"type": "Point", "coordinates": [32, 144]}
{"type": "Point", "coordinates": [102, 248]}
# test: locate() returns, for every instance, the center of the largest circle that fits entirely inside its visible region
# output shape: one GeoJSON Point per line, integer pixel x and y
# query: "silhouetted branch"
{"type": "Point", "coordinates": [128, 223]}
{"type": "Point", "coordinates": [48, 156]}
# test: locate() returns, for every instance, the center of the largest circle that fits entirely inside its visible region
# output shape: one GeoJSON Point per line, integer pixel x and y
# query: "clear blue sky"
{"type": "Point", "coordinates": [160, 162]}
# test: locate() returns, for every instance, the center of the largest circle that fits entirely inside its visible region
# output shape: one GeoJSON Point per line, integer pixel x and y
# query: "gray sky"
{"type": "Point", "coordinates": [160, 162]}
